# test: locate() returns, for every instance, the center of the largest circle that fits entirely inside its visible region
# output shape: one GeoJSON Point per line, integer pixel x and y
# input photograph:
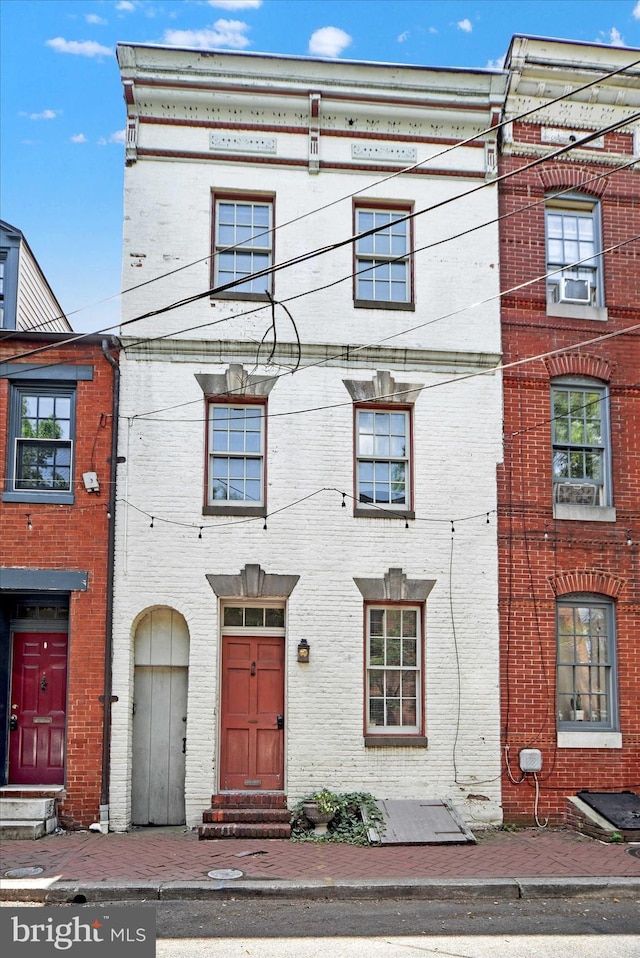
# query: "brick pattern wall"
{"type": "Point", "coordinates": [73, 537]}
{"type": "Point", "coordinates": [540, 556]}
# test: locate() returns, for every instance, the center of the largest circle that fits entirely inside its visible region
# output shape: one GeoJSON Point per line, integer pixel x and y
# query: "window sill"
{"type": "Point", "coordinates": [239, 510]}
{"type": "Point", "coordinates": [577, 513]}
{"type": "Point", "coordinates": [382, 304]}
{"type": "Point", "coordinates": [574, 311]}
{"type": "Point", "coordinates": [231, 294]}
{"type": "Point", "coordinates": [44, 498]}
{"type": "Point", "coordinates": [381, 512]}
{"type": "Point", "coordinates": [589, 739]}
{"type": "Point", "coordinates": [396, 741]}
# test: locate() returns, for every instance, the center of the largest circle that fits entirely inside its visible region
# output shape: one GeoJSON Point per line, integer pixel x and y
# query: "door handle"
{"type": "Point", "coordinates": [13, 723]}
{"type": "Point", "coordinates": [184, 746]}
{"type": "Point", "coordinates": [280, 721]}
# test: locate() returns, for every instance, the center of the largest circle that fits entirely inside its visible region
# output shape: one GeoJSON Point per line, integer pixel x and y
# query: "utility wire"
{"type": "Point", "coordinates": [476, 136]}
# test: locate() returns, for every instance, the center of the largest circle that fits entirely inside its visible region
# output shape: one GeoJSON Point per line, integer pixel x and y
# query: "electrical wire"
{"type": "Point", "coordinates": [490, 130]}
{"type": "Point", "coordinates": [332, 247]}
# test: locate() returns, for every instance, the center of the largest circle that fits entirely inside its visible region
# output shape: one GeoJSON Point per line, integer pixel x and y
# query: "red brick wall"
{"type": "Point", "coordinates": [73, 537]}
{"type": "Point", "coordinates": [534, 548]}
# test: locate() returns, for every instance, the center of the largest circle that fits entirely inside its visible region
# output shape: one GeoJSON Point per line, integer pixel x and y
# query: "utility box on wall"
{"type": "Point", "coordinates": [530, 760]}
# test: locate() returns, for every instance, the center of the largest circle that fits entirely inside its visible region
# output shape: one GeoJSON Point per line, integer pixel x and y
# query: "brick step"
{"type": "Point", "coordinates": [249, 800]}
{"type": "Point", "coordinates": [244, 830]}
{"type": "Point", "coordinates": [257, 815]}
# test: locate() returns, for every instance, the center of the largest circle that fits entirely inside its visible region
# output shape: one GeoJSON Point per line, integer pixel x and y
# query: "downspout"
{"type": "Point", "coordinates": [108, 646]}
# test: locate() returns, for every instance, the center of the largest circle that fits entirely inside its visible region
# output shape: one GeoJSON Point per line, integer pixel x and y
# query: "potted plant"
{"type": "Point", "coordinates": [320, 809]}
{"type": "Point", "coordinates": [577, 712]}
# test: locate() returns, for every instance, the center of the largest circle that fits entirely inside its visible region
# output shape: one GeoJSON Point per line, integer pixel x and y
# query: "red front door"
{"type": "Point", "coordinates": [38, 708]}
{"type": "Point", "coordinates": [252, 745]}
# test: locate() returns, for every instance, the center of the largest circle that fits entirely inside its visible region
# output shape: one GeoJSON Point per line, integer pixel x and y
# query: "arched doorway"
{"type": "Point", "coordinates": [161, 677]}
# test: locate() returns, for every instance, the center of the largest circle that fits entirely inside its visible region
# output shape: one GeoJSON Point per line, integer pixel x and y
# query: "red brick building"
{"type": "Point", "coordinates": [569, 489]}
{"type": "Point", "coordinates": [56, 446]}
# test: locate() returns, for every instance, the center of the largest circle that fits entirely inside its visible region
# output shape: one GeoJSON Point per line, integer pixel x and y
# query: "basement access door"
{"type": "Point", "coordinates": [421, 822]}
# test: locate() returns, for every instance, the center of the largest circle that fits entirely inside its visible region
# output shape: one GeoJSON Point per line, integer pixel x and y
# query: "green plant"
{"type": "Point", "coordinates": [347, 825]}
{"type": "Point", "coordinates": [615, 837]}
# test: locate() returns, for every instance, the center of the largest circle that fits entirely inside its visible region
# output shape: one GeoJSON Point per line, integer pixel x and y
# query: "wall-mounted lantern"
{"type": "Point", "coordinates": [303, 651]}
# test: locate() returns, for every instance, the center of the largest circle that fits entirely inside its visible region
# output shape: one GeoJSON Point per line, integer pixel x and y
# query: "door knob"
{"type": "Point", "coordinates": [280, 721]}
{"type": "Point", "coordinates": [13, 723]}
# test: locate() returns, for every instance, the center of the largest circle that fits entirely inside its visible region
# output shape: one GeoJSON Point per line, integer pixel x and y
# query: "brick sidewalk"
{"type": "Point", "coordinates": [176, 855]}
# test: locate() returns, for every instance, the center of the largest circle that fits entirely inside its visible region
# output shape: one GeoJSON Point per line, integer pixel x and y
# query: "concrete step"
{"type": "Point", "coordinates": [244, 830]}
{"type": "Point", "coordinates": [16, 830]}
{"type": "Point", "coordinates": [12, 809]}
{"type": "Point", "coordinates": [244, 815]}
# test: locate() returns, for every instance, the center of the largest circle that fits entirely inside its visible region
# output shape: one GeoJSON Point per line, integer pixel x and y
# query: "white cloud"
{"type": "Point", "coordinates": [329, 42]}
{"type": "Point", "coordinates": [615, 38]}
{"type": "Point", "coordinates": [434, 30]}
{"type": "Point", "coordinates": [85, 48]}
{"type": "Point", "coordinates": [636, 10]}
{"type": "Point", "coordinates": [498, 63]}
{"type": "Point", "coordinates": [78, 138]}
{"type": "Point", "coordinates": [405, 36]}
{"type": "Point", "coordinates": [239, 4]}
{"type": "Point", "coordinates": [43, 115]}
{"type": "Point", "coordinates": [465, 25]}
{"type": "Point", "coordinates": [125, 5]}
{"type": "Point", "coordinates": [94, 18]}
{"type": "Point", "coordinates": [225, 33]}
{"type": "Point", "coordinates": [120, 136]}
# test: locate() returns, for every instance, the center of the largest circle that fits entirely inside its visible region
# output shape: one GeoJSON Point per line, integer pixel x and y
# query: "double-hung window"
{"type": "Point", "coordinates": [41, 439]}
{"type": "Point", "coordinates": [581, 457]}
{"type": "Point", "coordinates": [383, 463]}
{"type": "Point", "coordinates": [586, 664]}
{"type": "Point", "coordinates": [394, 670]}
{"type": "Point", "coordinates": [383, 258]}
{"type": "Point", "coordinates": [236, 440]}
{"type": "Point", "coordinates": [574, 252]}
{"type": "Point", "coordinates": [243, 246]}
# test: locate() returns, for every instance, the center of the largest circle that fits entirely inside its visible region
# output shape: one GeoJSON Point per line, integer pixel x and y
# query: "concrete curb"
{"type": "Point", "coordinates": [445, 889]}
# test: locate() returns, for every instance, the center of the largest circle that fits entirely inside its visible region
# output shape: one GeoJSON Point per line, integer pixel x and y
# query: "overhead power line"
{"type": "Point", "coordinates": [487, 131]}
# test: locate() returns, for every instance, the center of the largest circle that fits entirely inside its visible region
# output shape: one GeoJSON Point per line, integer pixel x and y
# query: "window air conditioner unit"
{"type": "Point", "coordinates": [576, 493]}
{"type": "Point", "coordinates": [574, 290]}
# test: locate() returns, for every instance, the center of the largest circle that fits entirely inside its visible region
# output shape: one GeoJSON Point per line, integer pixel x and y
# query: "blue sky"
{"type": "Point", "coordinates": [62, 112]}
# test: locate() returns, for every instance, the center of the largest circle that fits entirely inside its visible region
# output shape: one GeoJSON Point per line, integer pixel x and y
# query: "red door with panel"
{"type": "Point", "coordinates": [38, 708]}
{"type": "Point", "coordinates": [252, 722]}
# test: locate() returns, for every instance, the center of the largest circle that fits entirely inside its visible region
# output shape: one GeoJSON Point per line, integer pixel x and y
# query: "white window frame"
{"type": "Point", "coordinates": [575, 489]}
{"type": "Point", "coordinates": [586, 672]}
{"type": "Point", "coordinates": [256, 247]}
{"type": "Point", "coordinates": [393, 661]}
{"type": "Point", "coordinates": [377, 460]}
{"type": "Point", "coordinates": [565, 218]}
{"type": "Point", "coordinates": [240, 453]}
{"type": "Point", "coordinates": [380, 265]}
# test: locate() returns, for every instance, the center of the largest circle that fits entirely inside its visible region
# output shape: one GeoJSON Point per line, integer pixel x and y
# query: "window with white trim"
{"type": "Point", "coordinates": [41, 440]}
{"type": "Point", "coordinates": [243, 245]}
{"type": "Point", "coordinates": [586, 675]}
{"type": "Point", "coordinates": [383, 258]}
{"type": "Point", "coordinates": [573, 252]}
{"type": "Point", "coordinates": [383, 466]}
{"type": "Point", "coordinates": [236, 454]}
{"type": "Point", "coordinates": [581, 454]}
{"type": "Point", "coordinates": [394, 664]}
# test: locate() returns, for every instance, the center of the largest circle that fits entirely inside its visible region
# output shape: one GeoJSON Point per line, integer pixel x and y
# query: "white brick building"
{"type": "Point", "coordinates": [278, 500]}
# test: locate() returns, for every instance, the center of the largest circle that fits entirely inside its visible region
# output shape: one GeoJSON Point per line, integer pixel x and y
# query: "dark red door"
{"type": "Point", "coordinates": [252, 747]}
{"type": "Point", "coordinates": [38, 708]}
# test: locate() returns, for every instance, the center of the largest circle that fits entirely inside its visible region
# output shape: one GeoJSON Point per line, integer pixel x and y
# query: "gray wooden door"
{"type": "Point", "coordinates": [159, 720]}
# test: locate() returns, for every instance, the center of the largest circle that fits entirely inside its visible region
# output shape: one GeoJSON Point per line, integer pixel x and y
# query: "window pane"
{"type": "Point", "coordinates": [393, 620]}
{"type": "Point", "coordinates": [233, 615]}
{"type": "Point", "coordinates": [274, 618]}
{"type": "Point", "coordinates": [254, 616]}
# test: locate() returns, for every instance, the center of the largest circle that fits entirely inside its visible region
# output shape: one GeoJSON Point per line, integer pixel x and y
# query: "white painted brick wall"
{"type": "Point", "coordinates": [457, 443]}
